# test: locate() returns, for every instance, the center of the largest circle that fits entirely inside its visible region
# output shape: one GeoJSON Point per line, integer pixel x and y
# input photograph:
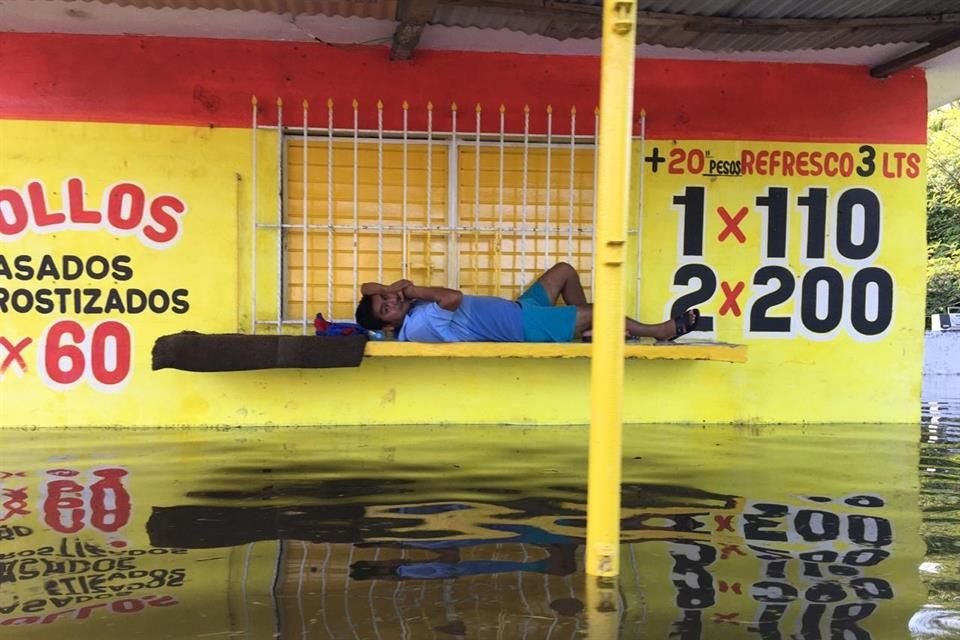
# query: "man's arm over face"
{"type": "Point", "coordinates": [448, 299]}
{"type": "Point", "coordinates": [375, 288]}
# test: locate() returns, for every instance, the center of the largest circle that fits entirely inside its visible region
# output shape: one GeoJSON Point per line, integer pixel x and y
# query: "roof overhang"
{"type": "Point", "coordinates": [886, 36]}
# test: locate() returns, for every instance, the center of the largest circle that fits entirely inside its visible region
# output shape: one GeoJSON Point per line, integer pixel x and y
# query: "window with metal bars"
{"type": "Point", "coordinates": [482, 214]}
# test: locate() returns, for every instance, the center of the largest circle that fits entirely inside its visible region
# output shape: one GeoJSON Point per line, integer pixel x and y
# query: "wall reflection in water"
{"type": "Point", "coordinates": [457, 532]}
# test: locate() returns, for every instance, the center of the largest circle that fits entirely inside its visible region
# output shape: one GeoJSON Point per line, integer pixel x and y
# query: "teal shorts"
{"type": "Point", "coordinates": [542, 321]}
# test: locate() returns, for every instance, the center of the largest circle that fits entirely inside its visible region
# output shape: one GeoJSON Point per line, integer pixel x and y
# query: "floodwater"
{"type": "Point", "coordinates": [382, 533]}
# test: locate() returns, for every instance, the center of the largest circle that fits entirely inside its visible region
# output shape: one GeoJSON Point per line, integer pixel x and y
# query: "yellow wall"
{"type": "Point", "coordinates": [792, 378]}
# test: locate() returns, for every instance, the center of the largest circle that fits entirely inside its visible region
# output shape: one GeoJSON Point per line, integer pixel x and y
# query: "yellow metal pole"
{"type": "Point", "coordinates": [606, 372]}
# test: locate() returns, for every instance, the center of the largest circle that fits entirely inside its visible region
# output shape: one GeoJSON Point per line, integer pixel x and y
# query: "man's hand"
{"type": "Point", "coordinates": [375, 288]}
{"type": "Point", "coordinates": [398, 286]}
{"type": "Point", "coordinates": [448, 299]}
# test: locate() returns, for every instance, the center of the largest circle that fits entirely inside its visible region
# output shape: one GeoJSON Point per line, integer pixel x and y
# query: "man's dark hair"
{"type": "Point", "coordinates": [366, 318]}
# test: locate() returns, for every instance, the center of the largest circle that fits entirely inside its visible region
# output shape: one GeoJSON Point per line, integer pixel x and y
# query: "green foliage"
{"type": "Point", "coordinates": [943, 207]}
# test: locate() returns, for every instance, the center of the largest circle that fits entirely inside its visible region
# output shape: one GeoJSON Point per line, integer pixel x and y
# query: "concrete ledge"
{"type": "Point", "coordinates": [713, 351]}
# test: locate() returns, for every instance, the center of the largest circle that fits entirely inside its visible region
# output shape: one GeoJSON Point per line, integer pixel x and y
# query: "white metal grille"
{"type": "Point", "coordinates": [482, 210]}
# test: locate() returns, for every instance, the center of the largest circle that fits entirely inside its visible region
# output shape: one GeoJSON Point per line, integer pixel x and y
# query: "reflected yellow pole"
{"type": "Point", "coordinates": [602, 609]}
{"type": "Point", "coordinates": [606, 371]}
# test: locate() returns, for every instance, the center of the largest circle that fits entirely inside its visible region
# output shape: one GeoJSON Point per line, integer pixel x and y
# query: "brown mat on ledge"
{"type": "Point", "coordinates": [191, 351]}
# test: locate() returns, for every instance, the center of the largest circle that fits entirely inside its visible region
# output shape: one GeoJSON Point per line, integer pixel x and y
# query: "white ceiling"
{"type": "Point", "coordinates": [69, 16]}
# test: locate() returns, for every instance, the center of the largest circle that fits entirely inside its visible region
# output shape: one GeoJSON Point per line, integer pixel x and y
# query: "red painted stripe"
{"type": "Point", "coordinates": [210, 82]}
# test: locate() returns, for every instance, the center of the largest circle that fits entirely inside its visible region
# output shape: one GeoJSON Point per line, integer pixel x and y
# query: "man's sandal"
{"type": "Point", "coordinates": [684, 324]}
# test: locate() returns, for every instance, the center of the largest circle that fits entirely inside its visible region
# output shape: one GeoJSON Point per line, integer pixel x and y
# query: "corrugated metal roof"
{"type": "Point", "coordinates": [563, 19]}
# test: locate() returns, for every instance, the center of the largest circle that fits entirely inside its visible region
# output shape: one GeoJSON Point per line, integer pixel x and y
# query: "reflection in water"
{"type": "Point", "coordinates": [478, 532]}
{"type": "Point", "coordinates": [940, 505]}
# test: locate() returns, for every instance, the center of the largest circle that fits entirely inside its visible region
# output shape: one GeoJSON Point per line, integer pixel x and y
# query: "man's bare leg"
{"type": "Point", "coordinates": [661, 331]}
{"type": "Point", "coordinates": [562, 281]}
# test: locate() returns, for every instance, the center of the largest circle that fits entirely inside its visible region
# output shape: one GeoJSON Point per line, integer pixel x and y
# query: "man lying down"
{"type": "Point", "coordinates": [438, 314]}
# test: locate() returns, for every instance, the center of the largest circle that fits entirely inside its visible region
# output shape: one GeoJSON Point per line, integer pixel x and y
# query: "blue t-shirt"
{"type": "Point", "coordinates": [478, 319]}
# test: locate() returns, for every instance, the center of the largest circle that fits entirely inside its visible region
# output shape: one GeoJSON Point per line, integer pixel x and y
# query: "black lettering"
{"type": "Point", "coordinates": [870, 530]}
{"type": "Point", "coordinates": [694, 584]}
{"type": "Point", "coordinates": [864, 501]}
{"type": "Point", "coordinates": [43, 301]}
{"type": "Point", "coordinates": [868, 162]}
{"type": "Point", "coordinates": [816, 204]}
{"type": "Point", "coordinates": [883, 314]}
{"type": "Point", "coordinates": [759, 321]}
{"type": "Point", "coordinates": [158, 300]}
{"type": "Point", "coordinates": [33, 606]}
{"type": "Point", "coordinates": [92, 296]}
{"type": "Point", "coordinates": [773, 592]}
{"type": "Point", "coordinates": [872, 588]}
{"type": "Point", "coordinates": [98, 267]}
{"type": "Point", "coordinates": [24, 267]}
{"type": "Point", "coordinates": [775, 202]}
{"type": "Point", "coordinates": [825, 592]}
{"type": "Point", "coordinates": [22, 301]}
{"type": "Point", "coordinates": [844, 625]}
{"type": "Point", "coordinates": [180, 304]}
{"type": "Point", "coordinates": [8, 572]}
{"type": "Point", "coordinates": [48, 269]}
{"type": "Point", "coordinates": [72, 267]}
{"type": "Point", "coordinates": [822, 556]}
{"type": "Point", "coordinates": [810, 621]}
{"type": "Point", "coordinates": [122, 270]}
{"type": "Point", "coordinates": [809, 306]}
{"type": "Point", "coordinates": [768, 624]}
{"type": "Point", "coordinates": [756, 525]}
{"type": "Point", "coordinates": [136, 301]}
{"type": "Point", "coordinates": [692, 225]}
{"type": "Point", "coordinates": [865, 557]}
{"type": "Point", "coordinates": [708, 287]}
{"type": "Point", "coordinates": [114, 302]}
{"type": "Point", "coordinates": [869, 204]}
{"type": "Point", "coordinates": [816, 526]}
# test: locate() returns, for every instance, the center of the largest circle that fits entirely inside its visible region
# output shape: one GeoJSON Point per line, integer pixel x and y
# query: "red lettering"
{"type": "Point", "coordinates": [788, 160]}
{"type": "Point", "coordinates": [724, 523]}
{"type": "Point", "coordinates": [162, 601]}
{"type": "Point", "coordinates": [913, 165]}
{"type": "Point", "coordinates": [55, 352]}
{"type": "Point", "coordinates": [162, 212]}
{"type": "Point", "coordinates": [84, 612]}
{"type": "Point", "coordinates": [14, 353]}
{"type": "Point", "coordinates": [830, 162]}
{"type": "Point", "coordinates": [746, 162]}
{"type": "Point", "coordinates": [677, 156]}
{"type": "Point", "coordinates": [887, 173]}
{"type": "Point", "coordinates": [13, 213]}
{"type": "Point", "coordinates": [105, 333]}
{"type": "Point", "coordinates": [110, 485]}
{"type": "Point", "coordinates": [762, 157]}
{"type": "Point", "coordinates": [15, 503]}
{"type": "Point", "coordinates": [817, 168]}
{"type": "Point", "coordinates": [38, 200]}
{"type": "Point", "coordinates": [802, 163]}
{"type": "Point", "coordinates": [126, 204]}
{"type": "Point", "coordinates": [128, 605]}
{"type": "Point", "coordinates": [77, 213]}
{"type": "Point", "coordinates": [53, 616]}
{"type": "Point", "coordinates": [20, 620]}
{"type": "Point", "coordinates": [774, 161]}
{"type": "Point", "coordinates": [846, 164]}
{"type": "Point", "coordinates": [63, 507]}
